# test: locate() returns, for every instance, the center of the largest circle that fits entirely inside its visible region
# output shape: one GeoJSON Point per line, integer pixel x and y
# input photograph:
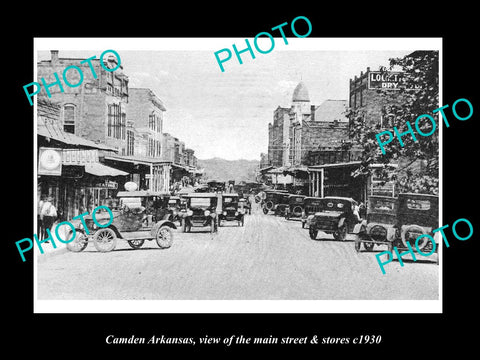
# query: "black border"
{"type": "Point", "coordinates": [84, 334]}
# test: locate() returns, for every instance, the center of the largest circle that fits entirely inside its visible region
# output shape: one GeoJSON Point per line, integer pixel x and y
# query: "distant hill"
{"type": "Point", "coordinates": [223, 170]}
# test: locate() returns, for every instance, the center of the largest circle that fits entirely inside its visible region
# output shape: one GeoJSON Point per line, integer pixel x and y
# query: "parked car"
{"type": "Point", "coordinates": [272, 197]}
{"type": "Point", "coordinates": [280, 208]}
{"type": "Point", "coordinates": [200, 211]}
{"type": "Point", "coordinates": [295, 207]}
{"type": "Point", "coordinates": [231, 209]}
{"type": "Point", "coordinates": [379, 226]}
{"type": "Point", "coordinates": [336, 216]}
{"type": "Point", "coordinates": [137, 218]}
{"type": "Point", "coordinates": [311, 205]}
{"type": "Point", "coordinates": [417, 215]}
{"type": "Point", "coordinates": [174, 206]}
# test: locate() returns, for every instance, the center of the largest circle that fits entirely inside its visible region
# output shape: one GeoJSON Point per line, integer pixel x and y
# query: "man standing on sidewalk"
{"type": "Point", "coordinates": [49, 214]}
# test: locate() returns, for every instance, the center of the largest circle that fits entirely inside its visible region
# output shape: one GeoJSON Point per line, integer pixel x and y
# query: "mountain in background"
{"type": "Point", "coordinates": [224, 170]}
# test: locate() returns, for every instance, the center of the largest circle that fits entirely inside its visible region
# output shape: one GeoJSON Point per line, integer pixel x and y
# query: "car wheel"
{"type": "Point", "coordinates": [164, 237]}
{"type": "Point", "coordinates": [184, 225]}
{"type": "Point", "coordinates": [136, 244]}
{"type": "Point", "coordinates": [105, 240]}
{"type": "Point", "coordinates": [212, 226]}
{"type": "Point", "coordinates": [341, 233]}
{"type": "Point", "coordinates": [358, 243]}
{"type": "Point", "coordinates": [265, 210]}
{"type": "Point", "coordinates": [368, 246]}
{"type": "Point", "coordinates": [303, 224]}
{"type": "Point", "coordinates": [313, 233]}
{"type": "Point", "coordinates": [79, 243]}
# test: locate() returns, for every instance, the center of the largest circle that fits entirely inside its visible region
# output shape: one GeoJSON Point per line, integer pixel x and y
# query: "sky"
{"type": "Point", "coordinates": [226, 114]}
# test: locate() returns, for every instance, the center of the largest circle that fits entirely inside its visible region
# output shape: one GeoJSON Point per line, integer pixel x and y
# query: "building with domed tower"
{"type": "Point", "coordinates": [305, 136]}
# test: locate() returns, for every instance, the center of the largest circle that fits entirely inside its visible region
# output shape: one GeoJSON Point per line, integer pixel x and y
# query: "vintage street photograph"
{"type": "Point", "coordinates": [178, 187]}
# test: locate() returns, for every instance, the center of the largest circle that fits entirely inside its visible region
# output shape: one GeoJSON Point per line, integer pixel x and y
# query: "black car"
{"type": "Point", "coordinates": [336, 216]}
{"type": "Point", "coordinates": [200, 211]}
{"type": "Point", "coordinates": [295, 207]}
{"type": "Point", "coordinates": [270, 199]}
{"type": "Point", "coordinates": [232, 209]}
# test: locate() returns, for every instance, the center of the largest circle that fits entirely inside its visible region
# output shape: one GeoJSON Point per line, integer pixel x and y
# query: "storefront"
{"type": "Point", "coordinates": [337, 180]}
{"type": "Point", "coordinates": [147, 173]}
{"type": "Point", "coordinates": [80, 185]}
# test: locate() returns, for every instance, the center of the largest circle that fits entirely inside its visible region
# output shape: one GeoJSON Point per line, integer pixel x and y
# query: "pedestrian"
{"type": "Point", "coordinates": [40, 228]}
{"type": "Point", "coordinates": [49, 214]}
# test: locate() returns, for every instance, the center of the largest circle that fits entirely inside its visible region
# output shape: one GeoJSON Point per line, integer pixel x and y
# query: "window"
{"type": "Point", "coordinates": [69, 118]}
{"type": "Point", "coordinates": [130, 142]}
{"type": "Point", "coordinates": [116, 122]}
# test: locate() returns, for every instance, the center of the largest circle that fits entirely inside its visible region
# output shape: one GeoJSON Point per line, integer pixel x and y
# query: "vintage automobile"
{"type": "Point", "coordinates": [174, 206]}
{"type": "Point", "coordinates": [231, 209]}
{"type": "Point", "coordinates": [280, 208]}
{"type": "Point", "coordinates": [295, 207]}
{"type": "Point", "coordinates": [379, 226]}
{"type": "Point", "coordinates": [417, 215]}
{"type": "Point", "coordinates": [311, 205]}
{"type": "Point", "coordinates": [271, 198]}
{"type": "Point", "coordinates": [200, 211]}
{"type": "Point", "coordinates": [137, 218]}
{"type": "Point", "coordinates": [336, 216]}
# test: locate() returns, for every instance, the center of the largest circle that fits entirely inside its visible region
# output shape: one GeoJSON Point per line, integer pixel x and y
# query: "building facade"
{"type": "Point", "coordinates": [96, 109]}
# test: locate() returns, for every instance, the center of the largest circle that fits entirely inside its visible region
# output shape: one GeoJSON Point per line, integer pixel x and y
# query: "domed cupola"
{"type": "Point", "coordinates": [300, 93]}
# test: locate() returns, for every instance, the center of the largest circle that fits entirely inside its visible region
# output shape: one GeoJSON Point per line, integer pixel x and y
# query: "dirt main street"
{"type": "Point", "coordinates": [269, 258]}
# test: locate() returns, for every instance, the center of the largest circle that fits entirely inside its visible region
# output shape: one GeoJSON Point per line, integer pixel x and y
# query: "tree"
{"type": "Point", "coordinates": [418, 95]}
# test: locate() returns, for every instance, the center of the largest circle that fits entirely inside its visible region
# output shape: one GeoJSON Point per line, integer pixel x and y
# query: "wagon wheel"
{"type": "Point", "coordinates": [79, 243]}
{"type": "Point", "coordinates": [164, 237]}
{"type": "Point", "coordinates": [341, 233]}
{"type": "Point", "coordinates": [313, 233]}
{"type": "Point", "coordinates": [136, 244]}
{"type": "Point", "coordinates": [105, 240]}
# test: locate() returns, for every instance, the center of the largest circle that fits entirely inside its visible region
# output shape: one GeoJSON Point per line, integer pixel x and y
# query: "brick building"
{"type": "Point", "coordinates": [327, 128]}
{"type": "Point", "coordinates": [94, 110]}
{"type": "Point", "coordinates": [146, 111]}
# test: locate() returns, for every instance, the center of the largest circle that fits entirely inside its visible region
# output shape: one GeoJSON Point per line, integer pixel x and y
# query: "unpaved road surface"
{"type": "Point", "coordinates": [269, 258]}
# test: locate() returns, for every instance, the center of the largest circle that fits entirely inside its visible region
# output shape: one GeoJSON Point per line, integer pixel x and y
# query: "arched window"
{"type": "Point", "coordinates": [69, 118]}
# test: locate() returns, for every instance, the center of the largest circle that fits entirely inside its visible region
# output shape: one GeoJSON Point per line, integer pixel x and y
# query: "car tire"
{"type": "Point", "coordinates": [79, 243]}
{"type": "Point", "coordinates": [341, 233]}
{"type": "Point", "coordinates": [164, 237]}
{"type": "Point", "coordinates": [313, 233]}
{"type": "Point", "coordinates": [136, 244]}
{"type": "Point", "coordinates": [105, 240]}
{"type": "Point", "coordinates": [265, 210]}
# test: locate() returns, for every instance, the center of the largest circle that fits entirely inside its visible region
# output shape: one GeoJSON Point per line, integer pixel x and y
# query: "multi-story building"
{"type": "Point", "coordinates": [95, 109]}
{"type": "Point", "coordinates": [146, 111]}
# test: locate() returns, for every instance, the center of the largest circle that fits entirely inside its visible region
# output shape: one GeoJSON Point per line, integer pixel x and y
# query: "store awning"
{"type": "Point", "coordinates": [52, 130]}
{"type": "Point", "coordinates": [98, 169]}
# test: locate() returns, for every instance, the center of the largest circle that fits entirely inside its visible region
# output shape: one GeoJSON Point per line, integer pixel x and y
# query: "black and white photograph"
{"type": "Point", "coordinates": [225, 180]}
{"type": "Point", "coordinates": [174, 180]}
